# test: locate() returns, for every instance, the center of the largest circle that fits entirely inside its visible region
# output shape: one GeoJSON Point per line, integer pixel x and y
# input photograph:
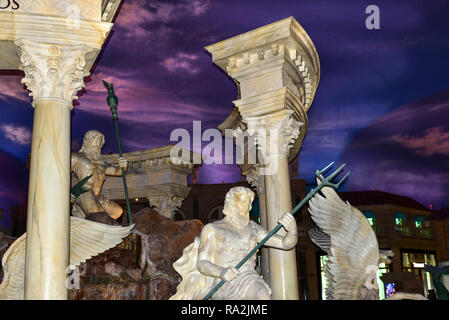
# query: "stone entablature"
{"type": "Point", "coordinates": [151, 174]}
{"type": "Point", "coordinates": [56, 22]}
{"type": "Point", "coordinates": [277, 70]}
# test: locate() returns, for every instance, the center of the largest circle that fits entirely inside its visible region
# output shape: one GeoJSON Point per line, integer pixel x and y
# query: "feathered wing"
{"type": "Point", "coordinates": [353, 249]}
{"type": "Point", "coordinates": [13, 263]}
{"type": "Point", "coordinates": [87, 239]}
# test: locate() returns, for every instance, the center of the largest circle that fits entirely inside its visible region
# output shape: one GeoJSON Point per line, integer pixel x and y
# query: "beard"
{"type": "Point", "coordinates": [92, 153]}
{"type": "Point", "coordinates": [238, 219]}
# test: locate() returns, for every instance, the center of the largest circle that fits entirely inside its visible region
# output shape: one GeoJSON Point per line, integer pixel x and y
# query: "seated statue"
{"type": "Point", "coordinates": [88, 162]}
{"type": "Point", "coordinates": [212, 257]}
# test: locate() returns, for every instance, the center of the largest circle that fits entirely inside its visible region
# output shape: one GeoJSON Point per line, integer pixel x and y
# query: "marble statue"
{"type": "Point", "coordinates": [351, 245]}
{"type": "Point", "coordinates": [87, 162]}
{"type": "Point", "coordinates": [87, 239]}
{"type": "Point", "coordinates": [222, 245]}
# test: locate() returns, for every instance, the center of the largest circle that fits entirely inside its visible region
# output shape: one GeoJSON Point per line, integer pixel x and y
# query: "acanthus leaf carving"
{"type": "Point", "coordinates": [53, 71]}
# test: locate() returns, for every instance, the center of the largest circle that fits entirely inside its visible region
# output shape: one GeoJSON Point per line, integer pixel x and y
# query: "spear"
{"type": "Point", "coordinates": [113, 102]}
{"type": "Point", "coordinates": [324, 182]}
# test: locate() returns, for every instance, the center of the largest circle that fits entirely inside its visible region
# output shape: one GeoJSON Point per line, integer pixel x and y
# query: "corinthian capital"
{"type": "Point", "coordinates": [274, 133]}
{"type": "Point", "coordinates": [53, 70]}
{"type": "Point", "coordinates": [166, 205]}
{"type": "Point", "coordinates": [255, 178]}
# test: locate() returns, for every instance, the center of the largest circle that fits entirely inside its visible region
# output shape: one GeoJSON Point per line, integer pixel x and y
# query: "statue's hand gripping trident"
{"type": "Point", "coordinates": [123, 163]}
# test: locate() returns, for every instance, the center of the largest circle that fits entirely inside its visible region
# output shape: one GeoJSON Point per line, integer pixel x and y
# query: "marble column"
{"type": "Point", "coordinates": [55, 44]}
{"type": "Point", "coordinates": [277, 70]}
{"type": "Point", "coordinates": [53, 74]}
{"type": "Point", "coordinates": [278, 133]}
{"type": "Point", "coordinates": [258, 182]}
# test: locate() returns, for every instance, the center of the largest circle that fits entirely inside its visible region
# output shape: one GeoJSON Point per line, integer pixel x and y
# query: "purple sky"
{"type": "Point", "coordinates": [381, 103]}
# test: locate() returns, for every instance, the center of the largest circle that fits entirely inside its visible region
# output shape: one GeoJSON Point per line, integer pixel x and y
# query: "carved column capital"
{"type": "Point", "coordinates": [256, 179]}
{"type": "Point", "coordinates": [53, 71]}
{"type": "Point", "coordinates": [166, 205]}
{"type": "Point", "coordinates": [273, 134]}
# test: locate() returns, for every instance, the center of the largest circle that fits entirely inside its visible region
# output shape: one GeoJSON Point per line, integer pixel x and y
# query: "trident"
{"type": "Point", "coordinates": [324, 182]}
{"type": "Point", "coordinates": [113, 102]}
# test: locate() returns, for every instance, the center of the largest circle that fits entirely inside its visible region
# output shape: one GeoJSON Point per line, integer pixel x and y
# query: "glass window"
{"type": "Point", "coordinates": [401, 224]}
{"type": "Point", "coordinates": [415, 261]}
{"type": "Point", "coordinates": [324, 280]}
{"type": "Point", "coordinates": [399, 218]}
{"type": "Point", "coordinates": [383, 268]}
{"type": "Point", "coordinates": [419, 220]}
{"type": "Point", "coordinates": [370, 216]}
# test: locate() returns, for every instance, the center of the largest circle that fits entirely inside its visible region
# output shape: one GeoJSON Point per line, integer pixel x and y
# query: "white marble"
{"type": "Point", "coordinates": [47, 247]}
{"type": "Point", "coordinates": [212, 257]}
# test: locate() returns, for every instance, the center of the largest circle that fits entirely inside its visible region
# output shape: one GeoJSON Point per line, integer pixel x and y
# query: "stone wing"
{"type": "Point", "coordinates": [88, 239]}
{"type": "Point", "coordinates": [353, 247]}
{"type": "Point", "coordinates": [13, 263]}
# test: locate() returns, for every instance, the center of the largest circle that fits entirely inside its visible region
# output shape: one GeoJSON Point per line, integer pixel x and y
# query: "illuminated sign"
{"type": "Point", "coordinates": [9, 4]}
{"type": "Point", "coordinates": [418, 265]}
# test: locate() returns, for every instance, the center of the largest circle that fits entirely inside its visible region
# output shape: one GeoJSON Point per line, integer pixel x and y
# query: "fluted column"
{"type": "Point", "coordinates": [53, 74]}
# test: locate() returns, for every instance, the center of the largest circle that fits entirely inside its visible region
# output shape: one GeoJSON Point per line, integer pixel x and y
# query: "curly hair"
{"type": "Point", "coordinates": [88, 136]}
{"type": "Point", "coordinates": [230, 198]}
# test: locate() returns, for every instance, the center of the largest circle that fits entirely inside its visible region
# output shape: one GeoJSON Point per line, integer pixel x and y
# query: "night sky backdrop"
{"type": "Point", "coordinates": [382, 105]}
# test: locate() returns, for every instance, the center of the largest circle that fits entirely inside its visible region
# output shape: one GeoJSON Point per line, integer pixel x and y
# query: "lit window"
{"type": "Point", "coordinates": [399, 218]}
{"type": "Point", "coordinates": [324, 280]}
{"type": "Point", "coordinates": [370, 216]}
{"type": "Point", "coordinates": [419, 221]}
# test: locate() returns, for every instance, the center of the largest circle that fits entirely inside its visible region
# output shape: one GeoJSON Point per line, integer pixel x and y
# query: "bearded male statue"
{"type": "Point", "coordinates": [222, 245]}
{"type": "Point", "coordinates": [87, 162]}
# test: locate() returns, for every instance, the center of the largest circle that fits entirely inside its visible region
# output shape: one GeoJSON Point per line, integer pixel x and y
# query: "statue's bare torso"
{"type": "Point", "coordinates": [228, 252]}
{"type": "Point", "coordinates": [82, 166]}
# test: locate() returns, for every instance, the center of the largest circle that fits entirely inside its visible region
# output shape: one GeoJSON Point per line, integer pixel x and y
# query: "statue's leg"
{"type": "Point", "coordinates": [110, 207]}
{"type": "Point", "coordinates": [89, 203]}
{"type": "Point", "coordinates": [259, 291]}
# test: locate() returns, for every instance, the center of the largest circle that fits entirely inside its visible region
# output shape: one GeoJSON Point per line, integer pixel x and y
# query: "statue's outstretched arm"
{"type": "Point", "coordinates": [115, 170]}
{"type": "Point", "coordinates": [286, 242]}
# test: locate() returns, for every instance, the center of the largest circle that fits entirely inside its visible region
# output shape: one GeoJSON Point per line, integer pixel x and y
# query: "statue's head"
{"type": "Point", "coordinates": [93, 141]}
{"type": "Point", "coordinates": [370, 288]}
{"type": "Point", "coordinates": [238, 204]}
